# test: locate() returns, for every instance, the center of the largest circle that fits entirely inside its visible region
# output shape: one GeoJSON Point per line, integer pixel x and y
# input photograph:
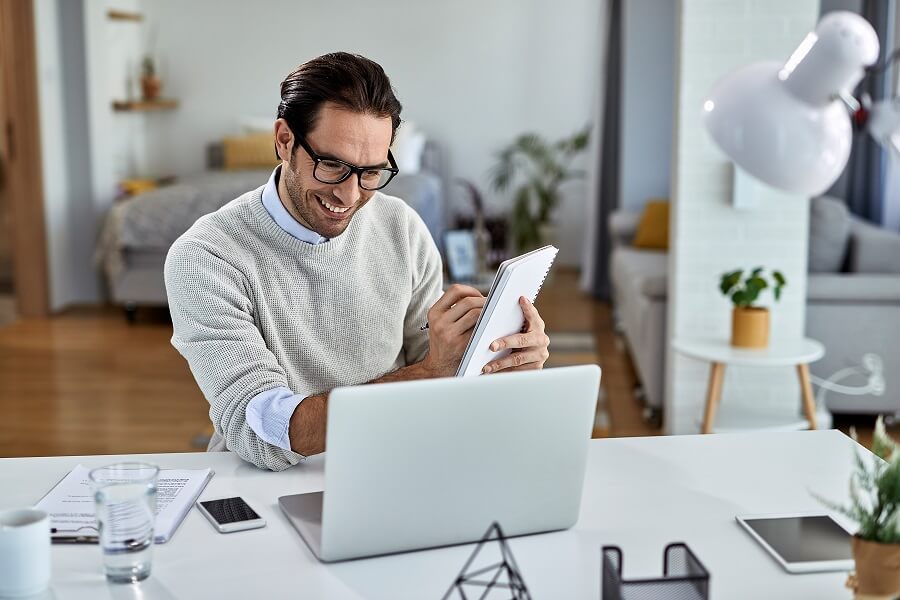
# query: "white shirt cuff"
{"type": "Point", "coordinates": [269, 415]}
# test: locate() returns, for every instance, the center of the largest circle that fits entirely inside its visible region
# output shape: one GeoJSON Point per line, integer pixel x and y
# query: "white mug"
{"type": "Point", "coordinates": [24, 552]}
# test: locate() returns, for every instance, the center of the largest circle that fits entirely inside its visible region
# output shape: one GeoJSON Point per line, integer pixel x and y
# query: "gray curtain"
{"type": "Point", "coordinates": [605, 188]}
{"type": "Point", "coordinates": [862, 184]}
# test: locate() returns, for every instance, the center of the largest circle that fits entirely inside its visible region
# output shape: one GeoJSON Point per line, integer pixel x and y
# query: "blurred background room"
{"type": "Point", "coordinates": [575, 123]}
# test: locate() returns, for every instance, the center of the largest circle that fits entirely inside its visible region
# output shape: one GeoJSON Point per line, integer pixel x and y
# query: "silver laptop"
{"type": "Point", "coordinates": [432, 463]}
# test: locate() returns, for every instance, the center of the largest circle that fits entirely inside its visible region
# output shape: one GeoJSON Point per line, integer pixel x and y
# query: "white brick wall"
{"type": "Point", "coordinates": [710, 237]}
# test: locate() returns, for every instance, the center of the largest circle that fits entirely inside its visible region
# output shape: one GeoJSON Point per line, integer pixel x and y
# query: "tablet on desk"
{"type": "Point", "coordinates": [802, 542]}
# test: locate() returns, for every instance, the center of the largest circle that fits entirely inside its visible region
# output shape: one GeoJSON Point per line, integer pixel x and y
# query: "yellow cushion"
{"type": "Point", "coordinates": [254, 151]}
{"type": "Point", "coordinates": [653, 229]}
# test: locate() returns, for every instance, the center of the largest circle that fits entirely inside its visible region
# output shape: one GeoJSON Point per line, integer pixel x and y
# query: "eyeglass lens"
{"type": "Point", "coordinates": [332, 171]}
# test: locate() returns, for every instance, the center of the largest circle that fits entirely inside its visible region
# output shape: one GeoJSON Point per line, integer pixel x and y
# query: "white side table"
{"type": "Point", "coordinates": [719, 352]}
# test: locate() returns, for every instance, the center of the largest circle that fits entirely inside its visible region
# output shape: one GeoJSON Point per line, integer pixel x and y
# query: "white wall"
{"type": "Point", "coordinates": [70, 218]}
{"type": "Point", "coordinates": [709, 237]}
{"type": "Point", "coordinates": [118, 139]}
{"type": "Point", "coordinates": [648, 65]}
{"type": "Point", "coordinates": [471, 74]}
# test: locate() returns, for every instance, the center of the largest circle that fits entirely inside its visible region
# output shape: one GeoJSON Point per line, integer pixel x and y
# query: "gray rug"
{"type": "Point", "coordinates": [572, 341]}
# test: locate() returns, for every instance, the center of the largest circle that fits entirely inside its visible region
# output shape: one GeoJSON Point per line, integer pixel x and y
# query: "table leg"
{"type": "Point", "coordinates": [713, 394]}
{"type": "Point", "coordinates": [809, 403]}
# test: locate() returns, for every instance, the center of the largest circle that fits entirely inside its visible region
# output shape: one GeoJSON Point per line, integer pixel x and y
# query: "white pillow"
{"type": "Point", "coordinates": [409, 144]}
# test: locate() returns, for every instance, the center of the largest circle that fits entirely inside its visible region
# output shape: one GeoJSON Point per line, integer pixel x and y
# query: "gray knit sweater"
{"type": "Point", "coordinates": [254, 308]}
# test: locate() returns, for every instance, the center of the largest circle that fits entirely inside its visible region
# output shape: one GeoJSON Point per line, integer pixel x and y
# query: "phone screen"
{"type": "Point", "coordinates": [229, 510]}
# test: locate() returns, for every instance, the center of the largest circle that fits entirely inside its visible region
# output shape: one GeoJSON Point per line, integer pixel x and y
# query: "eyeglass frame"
{"type": "Point", "coordinates": [317, 158]}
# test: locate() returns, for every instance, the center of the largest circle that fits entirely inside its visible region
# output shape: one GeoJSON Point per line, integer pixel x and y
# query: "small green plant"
{"type": "Point", "coordinates": [540, 167]}
{"type": "Point", "coordinates": [148, 67]}
{"type": "Point", "coordinates": [745, 293]}
{"type": "Point", "coordinates": [875, 491]}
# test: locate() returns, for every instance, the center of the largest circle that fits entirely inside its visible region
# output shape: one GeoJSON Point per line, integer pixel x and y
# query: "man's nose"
{"type": "Point", "coordinates": [348, 190]}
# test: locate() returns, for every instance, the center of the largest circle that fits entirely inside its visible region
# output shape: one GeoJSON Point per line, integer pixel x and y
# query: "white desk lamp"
{"type": "Point", "coordinates": [786, 124]}
{"type": "Point", "coordinates": [884, 124]}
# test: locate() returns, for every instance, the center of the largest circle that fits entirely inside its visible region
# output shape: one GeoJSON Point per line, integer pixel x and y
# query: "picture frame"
{"type": "Point", "coordinates": [459, 247]}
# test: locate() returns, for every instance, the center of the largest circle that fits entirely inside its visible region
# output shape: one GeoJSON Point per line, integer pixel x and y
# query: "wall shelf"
{"type": "Point", "coordinates": [122, 15]}
{"type": "Point", "coordinates": [144, 105]}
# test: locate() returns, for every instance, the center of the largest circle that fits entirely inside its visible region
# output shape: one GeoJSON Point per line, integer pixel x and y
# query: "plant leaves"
{"type": "Point", "coordinates": [779, 278]}
{"type": "Point", "coordinates": [729, 280]}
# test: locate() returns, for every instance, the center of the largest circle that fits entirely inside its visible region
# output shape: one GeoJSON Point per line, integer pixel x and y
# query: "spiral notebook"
{"type": "Point", "coordinates": [502, 315]}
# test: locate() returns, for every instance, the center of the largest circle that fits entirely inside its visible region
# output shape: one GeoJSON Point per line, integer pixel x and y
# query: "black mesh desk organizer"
{"type": "Point", "coordinates": [684, 577]}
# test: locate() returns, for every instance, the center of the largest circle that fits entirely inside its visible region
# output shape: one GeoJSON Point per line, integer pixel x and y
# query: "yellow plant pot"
{"type": "Point", "coordinates": [750, 327]}
{"type": "Point", "coordinates": [877, 568]}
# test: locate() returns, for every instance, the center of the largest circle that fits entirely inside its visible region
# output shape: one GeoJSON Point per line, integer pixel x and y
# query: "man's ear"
{"type": "Point", "coordinates": [284, 140]}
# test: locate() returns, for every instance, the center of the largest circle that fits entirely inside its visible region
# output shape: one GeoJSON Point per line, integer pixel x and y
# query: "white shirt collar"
{"type": "Point", "coordinates": [272, 202]}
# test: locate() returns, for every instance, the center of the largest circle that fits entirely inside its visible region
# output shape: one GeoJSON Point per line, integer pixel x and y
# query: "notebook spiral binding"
{"type": "Point", "coordinates": [544, 278]}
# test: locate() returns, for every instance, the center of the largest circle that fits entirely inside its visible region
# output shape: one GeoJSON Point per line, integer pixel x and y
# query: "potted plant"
{"type": "Point", "coordinates": [875, 507]}
{"type": "Point", "coordinates": [150, 82]}
{"type": "Point", "coordinates": [750, 323]}
{"type": "Point", "coordinates": [539, 168]}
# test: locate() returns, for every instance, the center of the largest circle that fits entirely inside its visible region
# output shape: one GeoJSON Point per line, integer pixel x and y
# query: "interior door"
{"type": "Point", "coordinates": [20, 158]}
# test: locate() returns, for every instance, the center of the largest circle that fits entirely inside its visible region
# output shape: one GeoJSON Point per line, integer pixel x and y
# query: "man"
{"type": "Point", "coordinates": [318, 280]}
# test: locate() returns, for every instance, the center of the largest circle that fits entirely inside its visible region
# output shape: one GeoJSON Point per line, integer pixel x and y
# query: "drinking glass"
{"type": "Point", "coordinates": [125, 497]}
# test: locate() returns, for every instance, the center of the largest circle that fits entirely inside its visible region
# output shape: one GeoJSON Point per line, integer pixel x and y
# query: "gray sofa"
{"type": "Point", "coordinates": [853, 304]}
{"type": "Point", "coordinates": [138, 231]}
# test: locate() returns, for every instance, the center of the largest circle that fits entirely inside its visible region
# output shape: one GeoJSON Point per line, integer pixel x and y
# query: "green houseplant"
{"type": "Point", "coordinates": [750, 323]}
{"type": "Point", "coordinates": [875, 507]}
{"type": "Point", "coordinates": [537, 168]}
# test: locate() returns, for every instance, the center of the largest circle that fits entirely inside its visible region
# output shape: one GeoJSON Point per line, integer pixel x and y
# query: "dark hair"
{"type": "Point", "coordinates": [349, 80]}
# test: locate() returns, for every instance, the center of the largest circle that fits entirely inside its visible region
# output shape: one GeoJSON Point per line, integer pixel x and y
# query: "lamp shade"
{"type": "Point", "coordinates": [784, 123]}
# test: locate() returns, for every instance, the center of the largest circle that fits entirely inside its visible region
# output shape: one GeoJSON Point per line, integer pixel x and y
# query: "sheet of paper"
{"type": "Point", "coordinates": [70, 503]}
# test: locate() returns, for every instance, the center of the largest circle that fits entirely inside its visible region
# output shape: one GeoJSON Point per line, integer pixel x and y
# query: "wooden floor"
{"type": "Point", "coordinates": [86, 382]}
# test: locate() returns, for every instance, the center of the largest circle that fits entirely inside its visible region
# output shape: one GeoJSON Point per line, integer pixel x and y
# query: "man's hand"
{"type": "Point", "coordinates": [529, 349]}
{"type": "Point", "coordinates": [450, 323]}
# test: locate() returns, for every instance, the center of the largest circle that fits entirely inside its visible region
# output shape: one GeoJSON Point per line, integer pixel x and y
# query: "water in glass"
{"type": "Point", "coordinates": [125, 497]}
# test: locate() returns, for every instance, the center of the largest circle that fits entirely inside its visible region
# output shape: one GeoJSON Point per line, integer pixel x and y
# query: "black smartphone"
{"type": "Point", "coordinates": [230, 514]}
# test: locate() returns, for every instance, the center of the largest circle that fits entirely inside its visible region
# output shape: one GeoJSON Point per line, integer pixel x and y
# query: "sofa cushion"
{"type": "Point", "coordinates": [653, 229]}
{"type": "Point", "coordinates": [644, 271]}
{"type": "Point", "coordinates": [872, 249]}
{"type": "Point", "coordinates": [829, 233]}
{"type": "Point", "coordinates": [853, 289]}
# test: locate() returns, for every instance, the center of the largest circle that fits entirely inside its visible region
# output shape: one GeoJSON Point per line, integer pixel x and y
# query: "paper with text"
{"type": "Point", "coordinates": [70, 503]}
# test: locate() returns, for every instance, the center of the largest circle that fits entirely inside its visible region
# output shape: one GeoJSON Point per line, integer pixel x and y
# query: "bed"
{"type": "Point", "coordinates": [138, 231]}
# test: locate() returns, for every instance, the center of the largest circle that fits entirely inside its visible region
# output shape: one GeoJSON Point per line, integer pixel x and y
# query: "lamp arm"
{"type": "Point", "coordinates": [878, 68]}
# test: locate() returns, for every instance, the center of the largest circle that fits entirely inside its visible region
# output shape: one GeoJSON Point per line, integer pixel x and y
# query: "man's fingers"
{"type": "Point", "coordinates": [463, 307]}
{"type": "Point", "coordinates": [467, 321]}
{"type": "Point", "coordinates": [533, 319]}
{"type": "Point", "coordinates": [521, 340]}
{"type": "Point", "coordinates": [454, 294]}
{"type": "Point", "coordinates": [526, 367]}
{"type": "Point", "coordinates": [516, 359]}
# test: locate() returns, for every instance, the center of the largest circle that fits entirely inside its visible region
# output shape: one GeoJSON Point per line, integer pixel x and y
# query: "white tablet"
{"type": "Point", "coordinates": [802, 542]}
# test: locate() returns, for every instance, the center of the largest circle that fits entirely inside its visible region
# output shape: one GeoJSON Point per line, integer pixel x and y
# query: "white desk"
{"type": "Point", "coordinates": [640, 494]}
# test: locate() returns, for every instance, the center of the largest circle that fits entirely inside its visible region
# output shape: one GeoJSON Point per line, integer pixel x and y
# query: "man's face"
{"type": "Point", "coordinates": [356, 138]}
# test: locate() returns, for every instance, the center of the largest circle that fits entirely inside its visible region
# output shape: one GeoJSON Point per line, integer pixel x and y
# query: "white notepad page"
{"type": "Point", "coordinates": [502, 314]}
{"type": "Point", "coordinates": [70, 503]}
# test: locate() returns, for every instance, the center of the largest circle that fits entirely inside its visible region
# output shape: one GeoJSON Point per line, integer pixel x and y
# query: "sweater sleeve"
{"type": "Point", "coordinates": [214, 329]}
{"type": "Point", "coordinates": [427, 282]}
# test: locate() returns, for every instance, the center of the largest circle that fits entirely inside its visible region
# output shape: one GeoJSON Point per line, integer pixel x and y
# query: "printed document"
{"type": "Point", "coordinates": [70, 503]}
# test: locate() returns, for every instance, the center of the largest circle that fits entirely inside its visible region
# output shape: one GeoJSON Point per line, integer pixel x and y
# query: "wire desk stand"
{"type": "Point", "coordinates": [684, 577]}
{"type": "Point", "coordinates": [500, 576]}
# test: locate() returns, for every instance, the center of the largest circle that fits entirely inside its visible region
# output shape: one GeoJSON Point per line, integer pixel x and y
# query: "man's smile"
{"type": "Point", "coordinates": [336, 210]}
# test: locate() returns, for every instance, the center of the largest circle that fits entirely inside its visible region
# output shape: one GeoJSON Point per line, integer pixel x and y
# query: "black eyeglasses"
{"type": "Point", "coordinates": [333, 170]}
